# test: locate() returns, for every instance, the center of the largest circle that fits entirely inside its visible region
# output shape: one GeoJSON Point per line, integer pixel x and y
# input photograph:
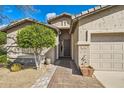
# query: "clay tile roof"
{"type": "Point", "coordinates": [92, 10]}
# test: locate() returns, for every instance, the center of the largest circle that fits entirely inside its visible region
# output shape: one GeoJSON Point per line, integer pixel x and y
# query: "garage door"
{"type": "Point", "coordinates": [107, 51]}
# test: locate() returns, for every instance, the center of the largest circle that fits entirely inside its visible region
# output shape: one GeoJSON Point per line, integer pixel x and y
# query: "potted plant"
{"type": "Point", "coordinates": [86, 69]}
{"type": "Point", "coordinates": [47, 61]}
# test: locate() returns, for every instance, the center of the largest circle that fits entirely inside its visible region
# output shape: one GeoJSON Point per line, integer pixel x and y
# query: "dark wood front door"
{"type": "Point", "coordinates": [67, 47]}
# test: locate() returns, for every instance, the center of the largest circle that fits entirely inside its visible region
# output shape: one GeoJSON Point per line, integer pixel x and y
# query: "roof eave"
{"type": "Point", "coordinates": [30, 20]}
{"type": "Point", "coordinates": [73, 25]}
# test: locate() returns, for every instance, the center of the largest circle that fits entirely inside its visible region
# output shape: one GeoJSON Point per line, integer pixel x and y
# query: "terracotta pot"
{"type": "Point", "coordinates": [91, 71]}
{"type": "Point", "coordinates": [86, 71]}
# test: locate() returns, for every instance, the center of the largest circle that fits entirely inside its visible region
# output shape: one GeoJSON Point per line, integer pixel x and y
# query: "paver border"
{"type": "Point", "coordinates": [44, 80]}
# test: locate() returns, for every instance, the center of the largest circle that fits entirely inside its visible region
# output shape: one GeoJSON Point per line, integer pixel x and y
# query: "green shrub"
{"type": "Point", "coordinates": [16, 67]}
{"type": "Point", "coordinates": [3, 38]}
{"type": "Point", "coordinates": [3, 59]}
{"type": "Point", "coordinates": [3, 52]}
{"type": "Point", "coordinates": [9, 62]}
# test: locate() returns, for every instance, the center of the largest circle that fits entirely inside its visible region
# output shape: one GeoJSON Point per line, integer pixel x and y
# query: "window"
{"type": "Point", "coordinates": [63, 23]}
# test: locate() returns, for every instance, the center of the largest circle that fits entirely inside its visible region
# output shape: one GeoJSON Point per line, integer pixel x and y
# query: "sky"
{"type": "Point", "coordinates": [43, 11]}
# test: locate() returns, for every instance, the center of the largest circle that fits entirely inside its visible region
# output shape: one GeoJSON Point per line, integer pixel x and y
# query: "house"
{"type": "Point", "coordinates": [95, 36]}
{"type": "Point", "coordinates": [14, 52]}
{"type": "Point", "coordinates": [98, 36]}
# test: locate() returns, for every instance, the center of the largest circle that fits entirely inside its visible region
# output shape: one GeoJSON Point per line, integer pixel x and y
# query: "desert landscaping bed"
{"type": "Point", "coordinates": [21, 79]}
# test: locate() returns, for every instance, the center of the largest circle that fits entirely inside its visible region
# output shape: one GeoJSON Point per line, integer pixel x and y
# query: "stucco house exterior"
{"type": "Point", "coordinates": [98, 37]}
{"type": "Point", "coordinates": [14, 52]}
{"type": "Point", "coordinates": [95, 36]}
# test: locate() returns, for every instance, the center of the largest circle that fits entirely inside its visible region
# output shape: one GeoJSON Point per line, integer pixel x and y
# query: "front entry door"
{"type": "Point", "coordinates": [64, 48]}
{"type": "Point", "coordinates": [67, 47]}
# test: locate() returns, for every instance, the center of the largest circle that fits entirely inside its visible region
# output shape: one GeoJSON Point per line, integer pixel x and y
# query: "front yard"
{"type": "Point", "coordinates": [21, 79]}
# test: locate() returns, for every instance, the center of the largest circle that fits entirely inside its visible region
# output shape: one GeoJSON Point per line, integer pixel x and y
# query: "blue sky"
{"type": "Point", "coordinates": [44, 11]}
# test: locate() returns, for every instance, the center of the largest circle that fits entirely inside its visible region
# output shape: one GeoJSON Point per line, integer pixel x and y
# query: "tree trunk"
{"type": "Point", "coordinates": [41, 59]}
{"type": "Point", "coordinates": [36, 60]}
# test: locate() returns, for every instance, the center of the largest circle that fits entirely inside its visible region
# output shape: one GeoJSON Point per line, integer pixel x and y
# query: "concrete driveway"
{"type": "Point", "coordinates": [111, 79]}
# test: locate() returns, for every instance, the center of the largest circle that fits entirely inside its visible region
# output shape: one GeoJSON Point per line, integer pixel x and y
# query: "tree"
{"type": "Point", "coordinates": [36, 37]}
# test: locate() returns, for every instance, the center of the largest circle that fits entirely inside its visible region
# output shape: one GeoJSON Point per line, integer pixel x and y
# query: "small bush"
{"type": "Point", "coordinates": [16, 67]}
{"type": "Point", "coordinates": [3, 59]}
{"type": "Point", "coordinates": [3, 52]}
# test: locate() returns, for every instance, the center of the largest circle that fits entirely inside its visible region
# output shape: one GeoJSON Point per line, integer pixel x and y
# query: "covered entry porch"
{"type": "Point", "coordinates": [64, 47]}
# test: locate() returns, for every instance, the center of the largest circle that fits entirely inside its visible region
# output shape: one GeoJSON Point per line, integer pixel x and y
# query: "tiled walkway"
{"type": "Point", "coordinates": [67, 76]}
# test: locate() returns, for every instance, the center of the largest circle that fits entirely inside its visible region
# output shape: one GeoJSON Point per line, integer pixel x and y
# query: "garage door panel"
{"type": "Point", "coordinates": [117, 46]}
{"type": "Point", "coordinates": [95, 56]}
{"type": "Point", "coordinates": [107, 52]}
{"type": "Point", "coordinates": [106, 47]}
{"type": "Point", "coordinates": [101, 51]}
{"type": "Point", "coordinates": [107, 66]}
{"type": "Point", "coordinates": [118, 56]}
{"type": "Point", "coordinates": [94, 47]}
{"type": "Point", "coordinates": [117, 66]}
{"type": "Point", "coordinates": [118, 52]}
{"type": "Point", "coordinates": [106, 56]}
{"type": "Point", "coordinates": [118, 61]}
{"type": "Point", "coordinates": [106, 61]}
{"type": "Point", "coordinates": [95, 65]}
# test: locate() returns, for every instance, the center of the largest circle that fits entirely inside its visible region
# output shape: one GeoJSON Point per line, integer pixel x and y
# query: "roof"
{"type": "Point", "coordinates": [18, 22]}
{"type": "Point", "coordinates": [59, 16]}
{"type": "Point", "coordinates": [87, 13]}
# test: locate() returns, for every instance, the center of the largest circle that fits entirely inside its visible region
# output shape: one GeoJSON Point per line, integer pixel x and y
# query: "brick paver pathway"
{"type": "Point", "coordinates": [67, 76]}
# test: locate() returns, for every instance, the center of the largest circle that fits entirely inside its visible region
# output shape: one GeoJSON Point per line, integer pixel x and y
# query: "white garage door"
{"type": "Point", "coordinates": [107, 51]}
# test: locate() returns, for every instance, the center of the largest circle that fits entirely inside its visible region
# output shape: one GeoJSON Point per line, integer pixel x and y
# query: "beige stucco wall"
{"type": "Point", "coordinates": [110, 20]}
{"type": "Point", "coordinates": [107, 21]}
{"type": "Point", "coordinates": [74, 47]}
{"type": "Point", "coordinates": [14, 51]}
{"type": "Point", "coordinates": [60, 22]}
